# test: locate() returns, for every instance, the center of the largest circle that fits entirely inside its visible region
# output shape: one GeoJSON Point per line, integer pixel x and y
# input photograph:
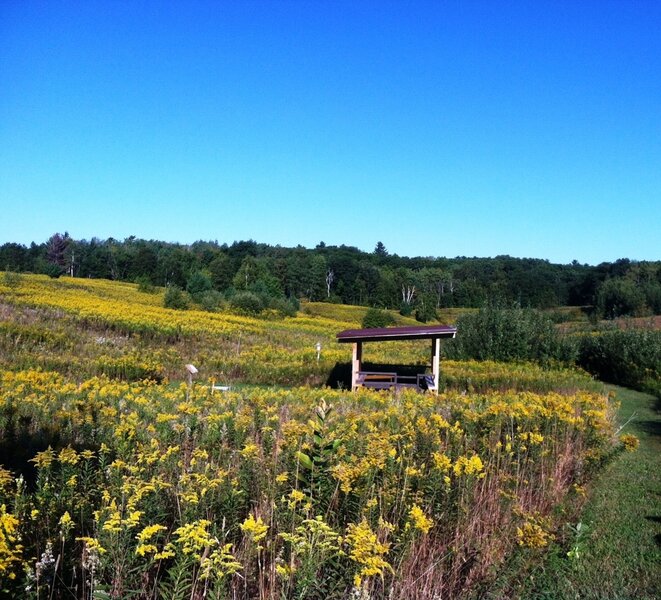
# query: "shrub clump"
{"type": "Point", "coordinates": [198, 283]}
{"type": "Point", "coordinates": [620, 298]}
{"type": "Point", "coordinates": [285, 307]}
{"type": "Point", "coordinates": [630, 357]}
{"type": "Point", "coordinates": [12, 280]}
{"type": "Point", "coordinates": [175, 298]}
{"type": "Point", "coordinates": [376, 317]}
{"type": "Point", "coordinates": [211, 300]}
{"type": "Point", "coordinates": [514, 334]}
{"type": "Point", "coordinates": [145, 285]}
{"type": "Point", "coordinates": [425, 312]}
{"type": "Point", "coordinates": [247, 302]}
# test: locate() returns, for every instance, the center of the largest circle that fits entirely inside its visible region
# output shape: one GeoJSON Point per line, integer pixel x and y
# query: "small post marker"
{"type": "Point", "coordinates": [192, 370]}
{"type": "Point", "coordinates": [318, 347]}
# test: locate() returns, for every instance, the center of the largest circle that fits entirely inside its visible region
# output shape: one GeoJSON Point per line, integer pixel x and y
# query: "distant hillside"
{"type": "Point", "coordinates": [416, 287]}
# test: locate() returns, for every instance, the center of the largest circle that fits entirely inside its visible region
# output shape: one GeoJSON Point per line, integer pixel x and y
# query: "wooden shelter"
{"type": "Point", "coordinates": [379, 380]}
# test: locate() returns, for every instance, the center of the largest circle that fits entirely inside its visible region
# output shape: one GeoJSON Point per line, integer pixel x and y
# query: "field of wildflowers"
{"type": "Point", "coordinates": [152, 490]}
{"type": "Point", "coordinates": [118, 482]}
{"type": "Point", "coordinates": [96, 327]}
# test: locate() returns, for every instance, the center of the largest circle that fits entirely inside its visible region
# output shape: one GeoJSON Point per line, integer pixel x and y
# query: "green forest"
{"type": "Point", "coordinates": [417, 286]}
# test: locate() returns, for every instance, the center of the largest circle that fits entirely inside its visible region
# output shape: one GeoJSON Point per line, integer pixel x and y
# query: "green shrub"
{"type": "Point", "coordinates": [285, 307]}
{"type": "Point", "coordinates": [53, 271]}
{"type": "Point", "coordinates": [175, 298]}
{"type": "Point", "coordinates": [620, 298]}
{"type": "Point", "coordinates": [247, 302]}
{"type": "Point", "coordinates": [425, 312]}
{"type": "Point", "coordinates": [12, 280]}
{"type": "Point", "coordinates": [653, 297]}
{"type": "Point", "coordinates": [375, 318]}
{"type": "Point", "coordinates": [210, 300]}
{"type": "Point", "coordinates": [630, 357]}
{"type": "Point", "coordinates": [494, 333]}
{"type": "Point", "coordinates": [145, 285]}
{"type": "Point", "coordinates": [198, 283]}
{"type": "Point", "coordinates": [295, 302]}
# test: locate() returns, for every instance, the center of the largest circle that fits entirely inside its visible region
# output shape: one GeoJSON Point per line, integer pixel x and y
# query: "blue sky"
{"type": "Point", "coordinates": [442, 129]}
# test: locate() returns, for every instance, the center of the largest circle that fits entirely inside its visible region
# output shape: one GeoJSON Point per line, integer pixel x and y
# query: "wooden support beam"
{"type": "Point", "coordinates": [356, 364]}
{"type": "Point", "coordinates": [436, 362]}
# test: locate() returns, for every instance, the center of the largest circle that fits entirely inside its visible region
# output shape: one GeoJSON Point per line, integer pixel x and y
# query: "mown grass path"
{"type": "Point", "coordinates": [618, 545]}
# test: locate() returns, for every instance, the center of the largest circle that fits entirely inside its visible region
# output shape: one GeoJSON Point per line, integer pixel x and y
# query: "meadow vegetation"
{"type": "Point", "coordinates": [117, 481]}
{"type": "Point", "coordinates": [151, 490]}
{"type": "Point", "coordinates": [609, 550]}
{"type": "Point", "coordinates": [630, 357]}
{"type": "Point", "coordinates": [510, 334]}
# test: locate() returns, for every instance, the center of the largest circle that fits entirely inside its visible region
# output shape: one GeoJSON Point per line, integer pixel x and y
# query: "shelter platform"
{"type": "Point", "coordinates": [374, 380]}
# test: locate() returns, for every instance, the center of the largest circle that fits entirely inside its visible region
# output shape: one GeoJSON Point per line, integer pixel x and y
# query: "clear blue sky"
{"type": "Point", "coordinates": [442, 128]}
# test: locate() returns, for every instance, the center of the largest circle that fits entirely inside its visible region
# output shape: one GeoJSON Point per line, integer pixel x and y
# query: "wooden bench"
{"type": "Point", "coordinates": [377, 381]}
{"type": "Point", "coordinates": [385, 381]}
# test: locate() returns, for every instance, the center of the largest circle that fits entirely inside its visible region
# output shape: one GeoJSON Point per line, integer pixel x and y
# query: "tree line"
{"type": "Point", "coordinates": [414, 285]}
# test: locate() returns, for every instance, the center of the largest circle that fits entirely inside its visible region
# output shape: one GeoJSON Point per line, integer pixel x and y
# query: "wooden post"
{"type": "Point", "coordinates": [435, 361]}
{"type": "Point", "coordinates": [355, 364]}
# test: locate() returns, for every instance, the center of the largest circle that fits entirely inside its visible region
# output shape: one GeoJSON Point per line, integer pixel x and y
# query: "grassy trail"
{"type": "Point", "coordinates": [619, 540]}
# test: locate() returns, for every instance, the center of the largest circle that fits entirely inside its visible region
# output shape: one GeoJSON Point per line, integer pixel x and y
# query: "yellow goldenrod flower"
{"type": "Point", "coordinates": [68, 456]}
{"type": "Point", "coordinates": [149, 532]}
{"type": "Point", "coordinates": [194, 537]}
{"type": "Point", "coordinates": [44, 459]}
{"type": "Point", "coordinates": [220, 563]}
{"type": "Point", "coordinates": [92, 544]}
{"type": "Point", "coordinates": [250, 450]}
{"type": "Point", "coordinates": [468, 466]}
{"type": "Point", "coordinates": [419, 520]}
{"type": "Point", "coordinates": [255, 529]}
{"type": "Point", "coordinates": [366, 550]}
{"type": "Point", "coordinates": [6, 479]}
{"type": "Point", "coordinates": [10, 548]}
{"type": "Point", "coordinates": [66, 522]}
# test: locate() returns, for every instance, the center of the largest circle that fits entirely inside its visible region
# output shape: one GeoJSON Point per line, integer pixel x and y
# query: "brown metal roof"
{"type": "Point", "coordinates": [385, 334]}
